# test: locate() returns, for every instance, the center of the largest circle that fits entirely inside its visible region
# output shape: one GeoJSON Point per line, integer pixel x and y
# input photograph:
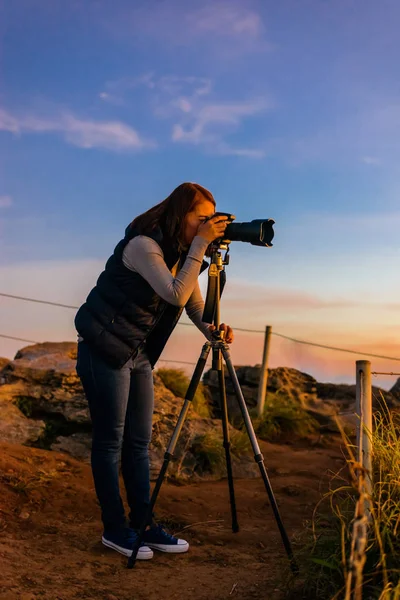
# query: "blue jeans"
{"type": "Point", "coordinates": [121, 405]}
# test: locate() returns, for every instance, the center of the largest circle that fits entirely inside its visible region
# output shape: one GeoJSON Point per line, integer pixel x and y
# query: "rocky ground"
{"type": "Point", "coordinates": [50, 545]}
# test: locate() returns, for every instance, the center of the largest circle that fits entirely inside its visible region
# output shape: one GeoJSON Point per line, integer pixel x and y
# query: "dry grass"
{"type": "Point", "coordinates": [325, 547]}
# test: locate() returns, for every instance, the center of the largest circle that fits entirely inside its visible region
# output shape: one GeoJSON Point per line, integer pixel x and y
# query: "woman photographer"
{"type": "Point", "coordinates": [123, 327]}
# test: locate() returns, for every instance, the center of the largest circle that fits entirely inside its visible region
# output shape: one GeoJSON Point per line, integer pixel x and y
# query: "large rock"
{"type": "Point", "coordinates": [15, 427]}
{"type": "Point", "coordinates": [43, 404]}
{"type": "Point", "coordinates": [395, 390]}
{"type": "Point", "coordinates": [283, 382]}
{"type": "Point", "coordinates": [3, 363]}
{"type": "Point", "coordinates": [42, 394]}
{"type": "Point", "coordinates": [344, 395]}
{"type": "Point", "coordinates": [51, 385]}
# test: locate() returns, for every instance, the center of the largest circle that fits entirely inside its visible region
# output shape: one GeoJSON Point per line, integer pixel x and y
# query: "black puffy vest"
{"type": "Point", "coordinates": [123, 312]}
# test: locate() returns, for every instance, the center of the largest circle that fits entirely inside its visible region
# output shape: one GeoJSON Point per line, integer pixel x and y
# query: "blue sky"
{"type": "Point", "coordinates": [287, 110]}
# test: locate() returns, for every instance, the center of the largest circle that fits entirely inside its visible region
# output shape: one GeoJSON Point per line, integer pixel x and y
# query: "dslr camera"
{"type": "Point", "coordinates": [258, 232]}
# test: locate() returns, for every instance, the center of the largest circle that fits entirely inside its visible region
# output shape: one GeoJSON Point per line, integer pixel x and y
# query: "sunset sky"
{"type": "Point", "coordinates": [287, 110]}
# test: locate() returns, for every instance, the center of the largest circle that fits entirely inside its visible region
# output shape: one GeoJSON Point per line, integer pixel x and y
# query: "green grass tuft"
{"type": "Point", "coordinates": [177, 382]}
{"type": "Point", "coordinates": [283, 416]}
{"type": "Point", "coordinates": [210, 453]}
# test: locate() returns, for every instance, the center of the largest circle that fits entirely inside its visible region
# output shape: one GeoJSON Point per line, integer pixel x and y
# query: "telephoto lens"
{"type": "Point", "coordinates": [258, 232]}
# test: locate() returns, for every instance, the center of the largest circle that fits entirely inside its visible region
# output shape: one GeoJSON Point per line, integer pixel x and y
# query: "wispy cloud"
{"type": "Point", "coordinates": [5, 201]}
{"type": "Point", "coordinates": [84, 133]}
{"type": "Point", "coordinates": [208, 123]}
{"type": "Point", "coordinates": [211, 115]}
{"type": "Point", "coordinates": [244, 296]}
{"type": "Point", "coordinates": [252, 303]}
{"type": "Point", "coordinates": [227, 18]}
{"type": "Point", "coordinates": [224, 149]}
{"type": "Point", "coordinates": [198, 116]}
{"type": "Point", "coordinates": [202, 123]}
{"type": "Point", "coordinates": [231, 25]}
{"type": "Point", "coordinates": [119, 91]}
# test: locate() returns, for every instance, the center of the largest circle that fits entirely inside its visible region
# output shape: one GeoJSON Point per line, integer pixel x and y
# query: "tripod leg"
{"type": "Point", "coordinates": [194, 382]}
{"type": "Point", "coordinates": [218, 365]}
{"type": "Point", "coordinates": [258, 456]}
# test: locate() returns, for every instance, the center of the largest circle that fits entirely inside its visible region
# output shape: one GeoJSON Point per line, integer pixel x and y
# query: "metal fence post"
{"type": "Point", "coordinates": [364, 422]}
{"type": "Point", "coordinates": [262, 385]}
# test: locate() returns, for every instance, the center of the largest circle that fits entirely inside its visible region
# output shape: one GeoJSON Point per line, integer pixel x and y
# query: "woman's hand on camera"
{"type": "Point", "coordinates": [227, 332]}
{"type": "Point", "coordinates": [213, 228]}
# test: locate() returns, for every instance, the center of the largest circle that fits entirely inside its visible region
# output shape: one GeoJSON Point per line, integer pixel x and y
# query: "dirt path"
{"type": "Point", "coordinates": [50, 531]}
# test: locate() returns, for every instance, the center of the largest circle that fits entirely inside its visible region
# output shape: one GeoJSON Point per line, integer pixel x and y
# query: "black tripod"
{"type": "Point", "coordinates": [216, 282]}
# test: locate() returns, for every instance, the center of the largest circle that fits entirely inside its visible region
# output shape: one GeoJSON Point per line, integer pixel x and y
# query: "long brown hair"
{"type": "Point", "coordinates": [170, 214]}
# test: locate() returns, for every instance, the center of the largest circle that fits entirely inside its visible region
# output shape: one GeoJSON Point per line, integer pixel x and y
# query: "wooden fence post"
{"type": "Point", "coordinates": [364, 422]}
{"type": "Point", "coordinates": [262, 385]}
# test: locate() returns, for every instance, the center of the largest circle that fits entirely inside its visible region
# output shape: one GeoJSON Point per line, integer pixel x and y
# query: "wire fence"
{"type": "Point", "coordinates": [183, 324]}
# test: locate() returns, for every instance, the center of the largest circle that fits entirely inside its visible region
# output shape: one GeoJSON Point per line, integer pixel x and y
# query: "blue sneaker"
{"type": "Point", "coordinates": [123, 541]}
{"type": "Point", "coordinates": [158, 539]}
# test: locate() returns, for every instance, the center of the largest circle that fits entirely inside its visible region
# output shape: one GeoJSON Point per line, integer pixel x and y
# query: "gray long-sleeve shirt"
{"type": "Point", "coordinates": [144, 256]}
